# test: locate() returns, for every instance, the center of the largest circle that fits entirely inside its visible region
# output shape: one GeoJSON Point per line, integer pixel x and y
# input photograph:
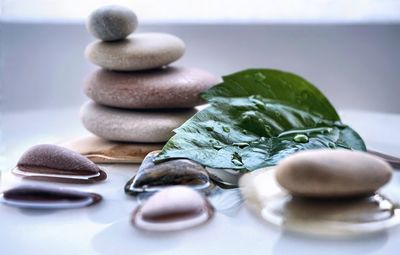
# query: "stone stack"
{"type": "Point", "coordinates": [138, 97]}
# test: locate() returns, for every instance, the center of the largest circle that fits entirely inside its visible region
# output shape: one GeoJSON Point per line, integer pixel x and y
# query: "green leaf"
{"type": "Point", "coordinates": [284, 87]}
{"type": "Point", "coordinates": [255, 119]}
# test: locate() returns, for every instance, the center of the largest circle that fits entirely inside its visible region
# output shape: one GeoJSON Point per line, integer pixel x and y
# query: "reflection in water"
{"type": "Point", "coordinates": [317, 216]}
{"type": "Point", "coordinates": [290, 243]}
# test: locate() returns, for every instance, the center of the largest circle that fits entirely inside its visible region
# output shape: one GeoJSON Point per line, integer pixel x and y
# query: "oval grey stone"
{"type": "Point", "coordinates": [112, 22]}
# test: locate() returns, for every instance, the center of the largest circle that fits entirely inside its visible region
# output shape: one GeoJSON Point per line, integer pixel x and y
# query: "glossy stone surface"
{"type": "Point", "coordinates": [332, 173]}
{"type": "Point", "coordinates": [172, 209]}
{"type": "Point", "coordinates": [338, 217]}
{"type": "Point", "coordinates": [112, 22]}
{"type": "Point", "coordinates": [55, 163]}
{"type": "Point", "coordinates": [137, 52]}
{"type": "Point", "coordinates": [47, 197]}
{"type": "Point", "coordinates": [172, 87]}
{"type": "Point", "coordinates": [152, 177]}
{"type": "Point", "coordinates": [132, 126]}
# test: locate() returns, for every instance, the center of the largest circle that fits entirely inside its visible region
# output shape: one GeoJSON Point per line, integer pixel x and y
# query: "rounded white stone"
{"type": "Point", "coordinates": [137, 52]}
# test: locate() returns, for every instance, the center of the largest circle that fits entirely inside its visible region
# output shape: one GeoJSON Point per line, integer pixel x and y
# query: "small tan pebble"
{"type": "Point", "coordinates": [171, 87]}
{"type": "Point", "coordinates": [332, 173]}
{"type": "Point", "coordinates": [112, 22]}
{"type": "Point", "coordinates": [137, 52]}
{"type": "Point", "coordinates": [172, 209]}
{"type": "Point", "coordinates": [103, 151]}
{"type": "Point", "coordinates": [132, 126]}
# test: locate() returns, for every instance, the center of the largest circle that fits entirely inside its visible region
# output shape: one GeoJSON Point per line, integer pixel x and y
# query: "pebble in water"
{"type": "Point", "coordinates": [45, 197]}
{"type": "Point", "coordinates": [154, 177]}
{"type": "Point", "coordinates": [330, 217]}
{"type": "Point", "coordinates": [49, 162]}
{"type": "Point", "coordinates": [112, 22]}
{"type": "Point", "coordinates": [174, 208]}
{"type": "Point", "coordinates": [332, 173]}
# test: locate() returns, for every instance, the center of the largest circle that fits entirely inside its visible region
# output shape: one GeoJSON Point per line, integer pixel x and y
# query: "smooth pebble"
{"type": "Point", "coordinates": [112, 22]}
{"type": "Point", "coordinates": [332, 173]}
{"type": "Point", "coordinates": [132, 126]}
{"type": "Point", "coordinates": [152, 177]}
{"type": "Point", "coordinates": [137, 52]}
{"type": "Point", "coordinates": [172, 209]}
{"type": "Point", "coordinates": [55, 163]}
{"type": "Point", "coordinates": [172, 87]}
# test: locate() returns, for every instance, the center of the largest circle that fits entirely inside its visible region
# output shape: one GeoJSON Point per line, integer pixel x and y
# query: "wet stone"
{"type": "Point", "coordinates": [46, 197]}
{"type": "Point", "coordinates": [49, 162]}
{"type": "Point", "coordinates": [152, 177]}
{"type": "Point", "coordinates": [174, 208]}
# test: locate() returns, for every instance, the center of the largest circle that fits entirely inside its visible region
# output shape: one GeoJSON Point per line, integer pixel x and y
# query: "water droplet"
{"type": "Point", "coordinates": [217, 146]}
{"type": "Point", "coordinates": [305, 95]}
{"type": "Point", "coordinates": [259, 76]}
{"type": "Point", "coordinates": [241, 145]}
{"type": "Point", "coordinates": [236, 159]}
{"type": "Point", "coordinates": [257, 102]}
{"type": "Point", "coordinates": [332, 145]}
{"type": "Point", "coordinates": [226, 129]}
{"type": "Point", "coordinates": [300, 138]}
{"type": "Point", "coordinates": [277, 114]}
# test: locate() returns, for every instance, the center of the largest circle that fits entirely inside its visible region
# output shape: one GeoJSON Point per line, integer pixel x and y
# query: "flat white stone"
{"type": "Point", "coordinates": [137, 52]}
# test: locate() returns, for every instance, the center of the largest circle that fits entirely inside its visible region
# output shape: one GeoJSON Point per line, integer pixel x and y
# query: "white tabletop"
{"type": "Point", "coordinates": [105, 228]}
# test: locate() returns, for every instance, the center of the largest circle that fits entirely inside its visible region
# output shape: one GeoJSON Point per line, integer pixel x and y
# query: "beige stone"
{"type": "Point", "coordinates": [332, 173]}
{"type": "Point", "coordinates": [172, 87]}
{"type": "Point", "coordinates": [137, 52]}
{"type": "Point", "coordinates": [132, 126]}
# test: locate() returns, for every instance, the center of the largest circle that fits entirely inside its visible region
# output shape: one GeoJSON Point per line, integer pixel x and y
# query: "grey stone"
{"type": "Point", "coordinates": [132, 126]}
{"type": "Point", "coordinates": [112, 22]}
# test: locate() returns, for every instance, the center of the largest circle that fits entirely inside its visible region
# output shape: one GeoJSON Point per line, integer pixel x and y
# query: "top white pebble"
{"type": "Point", "coordinates": [112, 22]}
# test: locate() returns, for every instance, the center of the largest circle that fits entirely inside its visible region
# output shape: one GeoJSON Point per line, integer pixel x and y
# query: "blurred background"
{"type": "Point", "coordinates": [349, 49]}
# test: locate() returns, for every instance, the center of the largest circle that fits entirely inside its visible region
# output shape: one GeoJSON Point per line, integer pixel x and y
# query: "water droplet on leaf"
{"type": "Point", "coordinates": [236, 159]}
{"type": "Point", "coordinates": [332, 145]}
{"type": "Point", "coordinates": [300, 138]}
{"type": "Point", "coordinates": [226, 129]}
{"type": "Point", "coordinates": [217, 146]}
{"type": "Point", "coordinates": [241, 145]}
{"type": "Point", "coordinates": [259, 76]}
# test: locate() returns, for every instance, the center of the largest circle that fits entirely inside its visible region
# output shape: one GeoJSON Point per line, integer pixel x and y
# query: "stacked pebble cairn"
{"type": "Point", "coordinates": [137, 96]}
